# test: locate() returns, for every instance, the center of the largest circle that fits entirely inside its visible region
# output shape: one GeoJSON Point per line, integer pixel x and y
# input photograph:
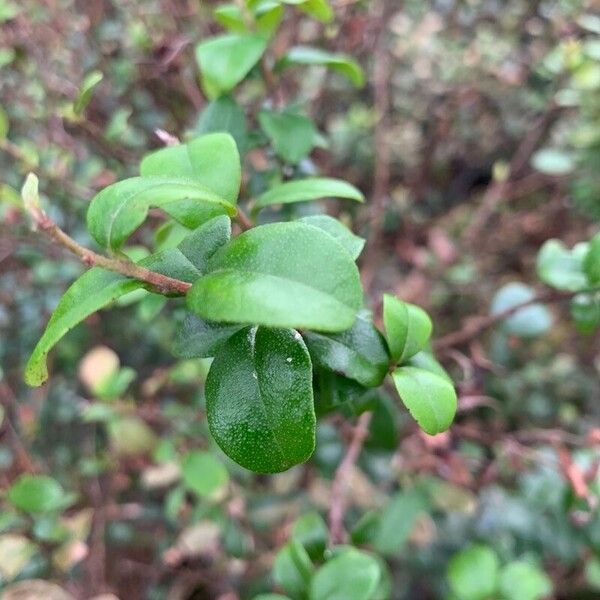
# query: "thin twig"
{"type": "Point", "coordinates": [244, 220]}
{"type": "Point", "coordinates": [162, 283]}
{"type": "Point", "coordinates": [477, 325]}
{"type": "Point", "coordinates": [340, 481]}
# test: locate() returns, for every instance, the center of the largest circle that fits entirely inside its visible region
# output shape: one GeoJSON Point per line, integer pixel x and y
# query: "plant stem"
{"type": "Point", "coordinates": [477, 325]}
{"type": "Point", "coordinates": [341, 479]}
{"type": "Point", "coordinates": [161, 283]}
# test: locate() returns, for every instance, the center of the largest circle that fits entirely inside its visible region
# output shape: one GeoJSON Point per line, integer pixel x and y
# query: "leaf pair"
{"type": "Point", "coordinates": [428, 393]}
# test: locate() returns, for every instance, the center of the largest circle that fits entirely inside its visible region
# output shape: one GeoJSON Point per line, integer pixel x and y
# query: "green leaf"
{"type": "Point", "coordinates": [358, 353]}
{"type": "Point", "coordinates": [225, 61]}
{"type": "Point", "coordinates": [310, 530]}
{"type": "Point", "coordinates": [473, 573]}
{"type": "Point", "coordinates": [292, 569]}
{"type": "Point", "coordinates": [340, 63]}
{"type": "Point", "coordinates": [4, 124]}
{"type": "Point", "coordinates": [585, 311]}
{"type": "Point", "coordinates": [338, 392]}
{"type": "Point", "coordinates": [351, 575]}
{"type": "Point", "coordinates": [397, 522]}
{"type": "Point", "coordinates": [521, 581]}
{"type": "Point", "coordinates": [319, 9]}
{"type": "Point", "coordinates": [427, 361]}
{"type": "Point", "coordinates": [591, 262]}
{"type": "Point", "coordinates": [231, 17]}
{"type": "Point", "coordinates": [530, 321]}
{"type": "Point", "coordinates": [36, 494]}
{"type": "Point", "coordinates": [90, 82]}
{"type": "Point", "coordinates": [130, 436]}
{"type": "Point", "coordinates": [203, 473]}
{"type": "Point", "coordinates": [92, 291]}
{"type": "Point", "coordinates": [407, 327]}
{"type": "Point", "coordinates": [353, 243]}
{"type": "Point", "coordinates": [224, 115]}
{"type": "Point", "coordinates": [259, 400]}
{"type": "Point", "coordinates": [196, 338]}
{"type": "Point", "coordinates": [212, 160]}
{"type": "Point", "coordinates": [553, 162]}
{"type": "Point", "coordinates": [118, 210]}
{"type": "Point", "coordinates": [303, 190]}
{"type": "Point", "coordinates": [292, 135]}
{"type": "Point", "coordinates": [200, 245]}
{"type": "Point", "coordinates": [280, 275]}
{"type": "Point", "coordinates": [430, 399]}
{"type": "Point", "coordinates": [562, 268]}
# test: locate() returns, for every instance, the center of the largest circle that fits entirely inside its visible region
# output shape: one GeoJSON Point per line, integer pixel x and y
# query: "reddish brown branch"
{"type": "Point", "coordinates": [342, 476]}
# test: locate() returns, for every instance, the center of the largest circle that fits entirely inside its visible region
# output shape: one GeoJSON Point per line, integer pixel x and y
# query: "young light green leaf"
{"type": "Point", "coordinates": [196, 338]}
{"type": "Point", "coordinates": [311, 531]}
{"type": "Point", "coordinates": [292, 569]}
{"type": "Point", "coordinates": [430, 399]}
{"type": "Point", "coordinates": [118, 210]}
{"type": "Point", "coordinates": [358, 353]}
{"type": "Point", "coordinates": [259, 400]}
{"type": "Point", "coordinates": [353, 243]}
{"type": "Point", "coordinates": [303, 190]}
{"type": "Point", "coordinates": [30, 193]}
{"type": "Point", "coordinates": [212, 160]}
{"type": "Point", "coordinates": [350, 575]}
{"type": "Point", "coordinates": [231, 17]}
{"type": "Point", "coordinates": [269, 276]}
{"type": "Point", "coordinates": [92, 291]}
{"type": "Point", "coordinates": [36, 494]}
{"type": "Point", "coordinates": [553, 162]}
{"type": "Point", "coordinates": [591, 262]}
{"type": "Point", "coordinates": [203, 473]}
{"type": "Point", "coordinates": [562, 268]}
{"type": "Point", "coordinates": [473, 573]}
{"type": "Point", "coordinates": [224, 115]}
{"type": "Point", "coordinates": [306, 55]}
{"type": "Point", "coordinates": [427, 361]}
{"type": "Point", "coordinates": [520, 580]}
{"type": "Point", "coordinates": [585, 311]}
{"type": "Point", "coordinates": [225, 61]}
{"type": "Point", "coordinates": [292, 135]}
{"type": "Point", "coordinates": [319, 9]}
{"type": "Point", "coordinates": [4, 124]}
{"type": "Point", "coordinates": [407, 328]}
{"type": "Point", "coordinates": [90, 82]}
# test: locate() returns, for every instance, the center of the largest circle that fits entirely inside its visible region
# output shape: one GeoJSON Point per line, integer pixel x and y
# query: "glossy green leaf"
{"type": "Point", "coordinates": [311, 531]}
{"type": "Point", "coordinates": [292, 135]}
{"type": "Point", "coordinates": [430, 399]}
{"type": "Point", "coordinates": [303, 190]}
{"type": "Point", "coordinates": [200, 245]}
{"type": "Point", "coordinates": [340, 63]}
{"type": "Point", "coordinates": [212, 160]}
{"type": "Point", "coordinates": [280, 275]}
{"type": "Point", "coordinates": [351, 575]}
{"type": "Point", "coordinates": [225, 61]}
{"type": "Point", "coordinates": [520, 580]}
{"type": "Point", "coordinates": [336, 392]}
{"type": "Point", "coordinates": [293, 569]}
{"type": "Point", "coordinates": [118, 210]}
{"type": "Point", "coordinates": [36, 494]}
{"type": "Point", "coordinates": [473, 573]}
{"type": "Point", "coordinates": [562, 268]}
{"type": "Point", "coordinates": [591, 262]}
{"type": "Point", "coordinates": [530, 321]}
{"type": "Point", "coordinates": [197, 338]}
{"type": "Point", "coordinates": [353, 243]}
{"type": "Point", "coordinates": [90, 82]}
{"type": "Point", "coordinates": [203, 473]}
{"type": "Point", "coordinates": [407, 328]}
{"type": "Point", "coordinates": [224, 115]}
{"type": "Point", "coordinates": [259, 399]}
{"type": "Point", "coordinates": [358, 353]}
